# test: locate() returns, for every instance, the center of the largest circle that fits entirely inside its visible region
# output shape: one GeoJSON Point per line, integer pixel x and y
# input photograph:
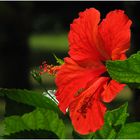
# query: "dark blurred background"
{"type": "Point", "coordinates": [30, 32]}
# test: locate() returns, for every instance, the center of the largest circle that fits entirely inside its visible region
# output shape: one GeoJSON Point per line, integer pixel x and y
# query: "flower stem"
{"type": "Point", "coordinates": [37, 77]}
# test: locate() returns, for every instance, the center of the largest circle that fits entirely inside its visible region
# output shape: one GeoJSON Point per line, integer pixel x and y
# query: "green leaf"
{"type": "Point", "coordinates": [1, 128]}
{"type": "Point", "coordinates": [39, 119]}
{"type": "Point", "coordinates": [106, 132]}
{"type": "Point", "coordinates": [130, 131]}
{"type": "Point", "coordinates": [16, 108]}
{"type": "Point", "coordinates": [78, 136]}
{"type": "Point", "coordinates": [127, 71]}
{"type": "Point", "coordinates": [30, 98]}
{"type": "Point", "coordinates": [117, 116]}
{"type": "Point", "coordinates": [114, 120]}
{"type": "Point", "coordinates": [58, 60]}
{"type": "Point", "coordinates": [32, 134]}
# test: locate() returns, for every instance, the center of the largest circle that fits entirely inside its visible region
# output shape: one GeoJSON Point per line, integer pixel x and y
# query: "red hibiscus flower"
{"type": "Point", "coordinates": [83, 82]}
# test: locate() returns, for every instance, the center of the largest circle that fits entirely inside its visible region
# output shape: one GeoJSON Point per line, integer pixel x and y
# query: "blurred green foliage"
{"type": "Point", "coordinates": [49, 42]}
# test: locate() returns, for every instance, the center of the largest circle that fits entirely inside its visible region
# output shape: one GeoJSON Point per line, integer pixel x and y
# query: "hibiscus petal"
{"type": "Point", "coordinates": [115, 33]}
{"type": "Point", "coordinates": [111, 90]}
{"type": "Point", "coordinates": [87, 111]}
{"type": "Point", "coordinates": [83, 37]}
{"type": "Point", "coordinates": [72, 79]}
{"type": "Point", "coordinates": [93, 121]}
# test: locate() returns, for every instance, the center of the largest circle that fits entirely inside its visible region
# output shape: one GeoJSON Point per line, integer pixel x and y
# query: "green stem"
{"type": "Point", "coordinates": [37, 77]}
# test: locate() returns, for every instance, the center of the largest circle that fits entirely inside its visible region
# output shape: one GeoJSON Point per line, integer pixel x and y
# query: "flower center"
{"type": "Point", "coordinates": [86, 104]}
